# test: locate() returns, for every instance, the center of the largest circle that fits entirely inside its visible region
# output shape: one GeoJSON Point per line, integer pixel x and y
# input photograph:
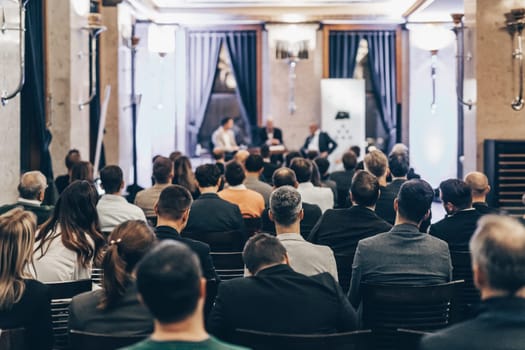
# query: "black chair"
{"type": "Point", "coordinates": [252, 226]}
{"type": "Point", "coordinates": [97, 274]}
{"type": "Point", "coordinates": [13, 339]}
{"type": "Point", "coordinates": [152, 220]}
{"type": "Point", "coordinates": [91, 341]}
{"type": "Point", "coordinates": [468, 295]}
{"type": "Point", "coordinates": [228, 265]}
{"type": "Point", "coordinates": [275, 341]}
{"type": "Point", "coordinates": [61, 294]}
{"type": "Point", "coordinates": [211, 292]}
{"type": "Point", "coordinates": [229, 241]}
{"type": "Point", "coordinates": [389, 307]}
{"type": "Point", "coordinates": [408, 339]}
{"type": "Point", "coordinates": [344, 270]}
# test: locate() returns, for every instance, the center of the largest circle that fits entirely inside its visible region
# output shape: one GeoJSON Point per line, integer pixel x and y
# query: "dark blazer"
{"type": "Point", "coordinates": [343, 180]}
{"type": "Point", "coordinates": [326, 143]}
{"type": "Point", "coordinates": [456, 229]}
{"type": "Point", "coordinates": [499, 326]}
{"type": "Point", "coordinates": [268, 170]}
{"type": "Point", "coordinates": [210, 213]}
{"type": "Point", "coordinates": [395, 185]}
{"type": "Point", "coordinates": [127, 317]}
{"type": "Point", "coordinates": [484, 209]}
{"type": "Point", "coordinates": [200, 248]}
{"type": "Point", "coordinates": [32, 312]}
{"type": "Point", "coordinates": [385, 204]}
{"type": "Point", "coordinates": [263, 135]}
{"type": "Point", "coordinates": [278, 299]}
{"type": "Point", "coordinates": [61, 182]}
{"type": "Point", "coordinates": [312, 213]}
{"type": "Point", "coordinates": [401, 256]}
{"type": "Point", "coordinates": [342, 229]}
{"type": "Point", "coordinates": [42, 212]}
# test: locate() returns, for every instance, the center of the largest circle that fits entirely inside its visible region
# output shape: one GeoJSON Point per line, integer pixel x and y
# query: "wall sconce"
{"type": "Point", "coordinates": [4, 28]}
{"type": "Point", "coordinates": [94, 28]}
{"type": "Point", "coordinates": [459, 31]}
{"type": "Point", "coordinates": [161, 39]}
{"type": "Point", "coordinates": [515, 22]}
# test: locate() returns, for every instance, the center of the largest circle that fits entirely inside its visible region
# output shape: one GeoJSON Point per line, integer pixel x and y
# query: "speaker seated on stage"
{"type": "Point", "coordinates": [270, 135]}
{"type": "Point", "coordinates": [224, 138]}
{"type": "Point", "coordinates": [318, 141]}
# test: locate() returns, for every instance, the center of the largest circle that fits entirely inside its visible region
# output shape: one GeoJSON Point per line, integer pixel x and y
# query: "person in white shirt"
{"type": "Point", "coordinates": [224, 138]}
{"type": "Point", "coordinates": [112, 208]}
{"type": "Point", "coordinates": [322, 196]}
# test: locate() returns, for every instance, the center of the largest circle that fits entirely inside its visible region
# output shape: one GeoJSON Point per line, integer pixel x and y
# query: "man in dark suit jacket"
{"type": "Point", "coordinates": [343, 178]}
{"type": "Point", "coordinates": [172, 211]}
{"type": "Point", "coordinates": [270, 135]}
{"type": "Point", "coordinates": [270, 164]}
{"type": "Point", "coordinates": [277, 299]}
{"type": "Point", "coordinates": [460, 223]}
{"type": "Point", "coordinates": [318, 141]}
{"type": "Point", "coordinates": [342, 229]}
{"type": "Point", "coordinates": [376, 162]}
{"type": "Point", "coordinates": [209, 213]}
{"type": "Point", "coordinates": [479, 184]}
{"type": "Point", "coordinates": [498, 256]}
{"type": "Point", "coordinates": [398, 165]}
{"type": "Point", "coordinates": [403, 255]}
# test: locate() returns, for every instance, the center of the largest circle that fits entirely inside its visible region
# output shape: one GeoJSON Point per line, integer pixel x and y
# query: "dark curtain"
{"type": "Point", "coordinates": [203, 56]}
{"type": "Point", "coordinates": [343, 46]}
{"type": "Point", "coordinates": [242, 47]}
{"type": "Point", "coordinates": [382, 61]}
{"type": "Point", "coordinates": [33, 114]}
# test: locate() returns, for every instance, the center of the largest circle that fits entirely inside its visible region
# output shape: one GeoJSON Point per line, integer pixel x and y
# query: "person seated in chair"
{"type": "Point", "coordinates": [224, 138]}
{"type": "Point", "coordinates": [479, 184]}
{"type": "Point", "coordinates": [376, 163]}
{"type": "Point", "coordinates": [163, 173]}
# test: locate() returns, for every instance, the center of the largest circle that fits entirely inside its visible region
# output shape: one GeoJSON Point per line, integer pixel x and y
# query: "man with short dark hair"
{"type": "Point", "coordinates": [254, 166]}
{"type": "Point", "coordinates": [321, 196]}
{"type": "Point", "coordinates": [343, 178]}
{"type": "Point", "coordinates": [162, 174]}
{"type": "Point", "coordinates": [219, 156]}
{"type": "Point", "coordinates": [342, 229]}
{"type": "Point", "coordinates": [403, 255]}
{"type": "Point", "coordinates": [376, 163]}
{"type": "Point", "coordinates": [398, 164]}
{"type": "Point", "coordinates": [461, 220]}
{"type": "Point", "coordinates": [173, 210]}
{"type": "Point", "coordinates": [62, 181]}
{"type": "Point", "coordinates": [209, 212]}
{"type": "Point", "coordinates": [269, 165]}
{"type": "Point", "coordinates": [323, 164]}
{"type": "Point", "coordinates": [170, 284]}
{"type": "Point", "coordinates": [278, 299]}
{"type": "Point", "coordinates": [479, 184]}
{"type": "Point", "coordinates": [112, 208]}
{"type": "Point", "coordinates": [498, 264]}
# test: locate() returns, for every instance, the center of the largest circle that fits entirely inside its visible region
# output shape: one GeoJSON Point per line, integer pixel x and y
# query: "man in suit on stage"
{"type": "Point", "coordinates": [270, 135]}
{"type": "Point", "coordinates": [318, 141]}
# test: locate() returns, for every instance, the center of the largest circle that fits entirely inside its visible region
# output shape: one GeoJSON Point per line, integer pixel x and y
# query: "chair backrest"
{"type": "Point", "coordinates": [91, 341]}
{"type": "Point", "coordinates": [13, 339]}
{"type": "Point", "coordinates": [468, 295]}
{"type": "Point", "coordinates": [344, 270]}
{"type": "Point", "coordinates": [275, 341]}
{"type": "Point", "coordinates": [228, 265]}
{"type": "Point", "coordinates": [97, 274]}
{"type": "Point", "coordinates": [211, 292]}
{"type": "Point", "coordinates": [227, 241]}
{"type": "Point", "coordinates": [409, 339]}
{"type": "Point", "coordinates": [252, 226]}
{"type": "Point", "coordinates": [67, 290]}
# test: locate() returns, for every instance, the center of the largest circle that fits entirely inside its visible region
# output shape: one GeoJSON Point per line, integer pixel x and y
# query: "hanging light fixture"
{"type": "Point", "coordinates": [459, 31]}
{"type": "Point", "coordinates": [515, 22]}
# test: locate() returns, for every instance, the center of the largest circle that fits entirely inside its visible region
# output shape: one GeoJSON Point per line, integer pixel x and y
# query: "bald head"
{"type": "Point", "coordinates": [479, 184]}
{"type": "Point", "coordinates": [241, 156]}
{"type": "Point", "coordinates": [284, 177]}
{"type": "Point", "coordinates": [32, 185]}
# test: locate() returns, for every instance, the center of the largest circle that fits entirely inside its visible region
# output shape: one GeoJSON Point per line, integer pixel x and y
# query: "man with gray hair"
{"type": "Point", "coordinates": [31, 189]}
{"type": "Point", "coordinates": [286, 211]}
{"type": "Point", "coordinates": [498, 265]}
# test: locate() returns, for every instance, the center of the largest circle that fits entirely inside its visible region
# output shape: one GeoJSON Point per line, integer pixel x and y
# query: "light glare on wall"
{"type": "Point", "coordinates": [161, 39]}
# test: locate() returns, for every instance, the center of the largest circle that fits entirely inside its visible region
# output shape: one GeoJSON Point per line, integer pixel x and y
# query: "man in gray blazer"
{"type": "Point", "coordinates": [403, 255]}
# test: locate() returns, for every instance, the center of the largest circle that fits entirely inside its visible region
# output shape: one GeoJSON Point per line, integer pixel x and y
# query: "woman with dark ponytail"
{"type": "Point", "coordinates": [115, 308]}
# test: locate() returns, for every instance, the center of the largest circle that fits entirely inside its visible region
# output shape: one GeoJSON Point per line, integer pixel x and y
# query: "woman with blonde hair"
{"type": "Point", "coordinates": [69, 240]}
{"type": "Point", "coordinates": [115, 308]}
{"type": "Point", "coordinates": [24, 303]}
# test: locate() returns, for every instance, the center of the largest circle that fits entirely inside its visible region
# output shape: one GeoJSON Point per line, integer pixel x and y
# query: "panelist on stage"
{"type": "Point", "coordinates": [270, 135]}
{"type": "Point", "coordinates": [318, 141]}
{"type": "Point", "coordinates": [223, 138]}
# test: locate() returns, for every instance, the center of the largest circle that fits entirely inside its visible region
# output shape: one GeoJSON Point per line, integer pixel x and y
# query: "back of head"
{"type": "Point", "coordinates": [399, 148]}
{"type": "Point", "coordinates": [183, 173]}
{"type": "Point", "coordinates": [398, 164]}
{"type": "Point", "coordinates": [234, 173]}
{"type": "Point", "coordinates": [72, 157]}
{"type": "Point", "coordinates": [478, 183]}
{"type": "Point", "coordinates": [498, 250]}
{"type": "Point", "coordinates": [82, 171]}
{"type": "Point", "coordinates": [376, 163]}
{"type": "Point", "coordinates": [218, 154]}
{"type": "Point", "coordinates": [414, 200]}
{"type": "Point", "coordinates": [290, 156]}
{"type": "Point", "coordinates": [457, 192]}
{"type": "Point", "coordinates": [322, 164]}
{"type": "Point", "coordinates": [263, 250]}
{"type": "Point", "coordinates": [111, 178]}
{"type": "Point", "coordinates": [173, 201]}
{"type": "Point", "coordinates": [17, 231]}
{"type": "Point", "coordinates": [311, 154]}
{"type": "Point", "coordinates": [162, 170]}
{"type": "Point", "coordinates": [364, 188]}
{"type": "Point", "coordinates": [254, 163]}
{"type": "Point", "coordinates": [349, 160]}
{"type": "Point", "coordinates": [356, 149]}
{"type": "Point", "coordinates": [302, 168]}
{"type": "Point", "coordinates": [128, 243]}
{"type": "Point", "coordinates": [174, 155]}
{"type": "Point", "coordinates": [207, 175]}
{"type": "Point", "coordinates": [285, 205]}
{"type": "Point", "coordinates": [284, 177]}
{"type": "Point", "coordinates": [32, 184]}
{"type": "Point", "coordinates": [265, 151]}
{"type": "Point", "coordinates": [169, 280]}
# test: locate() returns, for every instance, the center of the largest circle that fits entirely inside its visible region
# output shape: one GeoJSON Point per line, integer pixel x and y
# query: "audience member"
{"type": "Point", "coordinates": [398, 165]}
{"type": "Point", "coordinates": [116, 309]}
{"type": "Point", "coordinates": [72, 157]}
{"type": "Point", "coordinates": [323, 164]}
{"type": "Point", "coordinates": [31, 191]}
{"type": "Point", "coordinates": [170, 284]}
{"type": "Point", "coordinates": [209, 212]}
{"type": "Point", "coordinates": [318, 141]}
{"type": "Point", "coordinates": [163, 174]}
{"type": "Point", "coordinates": [323, 197]}
{"type": "Point", "coordinates": [479, 184]}
{"type": "Point", "coordinates": [173, 210]}
{"type": "Point", "coordinates": [24, 303]}
{"type": "Point", "coordinates": [112, 208]}
{"type": "Point", "coordinates": [183, 175]}
{"type": "Point", "coordinates": [402, 148]}
{"type": "Point", "coordinates": [290, 156]}
{"type": "Point", "coordinates": [250, 202]}
{"type": "Point", "coordinates": [342, 229]}
{"type": "Point", "coordinates": [286, 212]}
{"type": "Point", "coordinates": [376, 163]}
{"type": "Point", "coordinates": [269, 165]}
{"type": "Point", "coordinates": [254, 167]}
{"type": "Point", "coordinates": [461, 220]}
{"type": "Point", "coordinates": [403, 255]}
{"type": "Point", "coordinates": [343, 178]}
{"type": "Point", "coordinates": [82, 170]}
{"type": "Point", "coordinates": [498, 264]}
{"type": "Point", "coordinates": [67, 243]}
{"type": "Point", "coordinates": [174, 155]}
{"type": "Point", "coordinates": [218, 156]}
{"type": "Point", "coordinates": [241, 156]}
{"type": "Point", "coordinates": [278, 299]}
